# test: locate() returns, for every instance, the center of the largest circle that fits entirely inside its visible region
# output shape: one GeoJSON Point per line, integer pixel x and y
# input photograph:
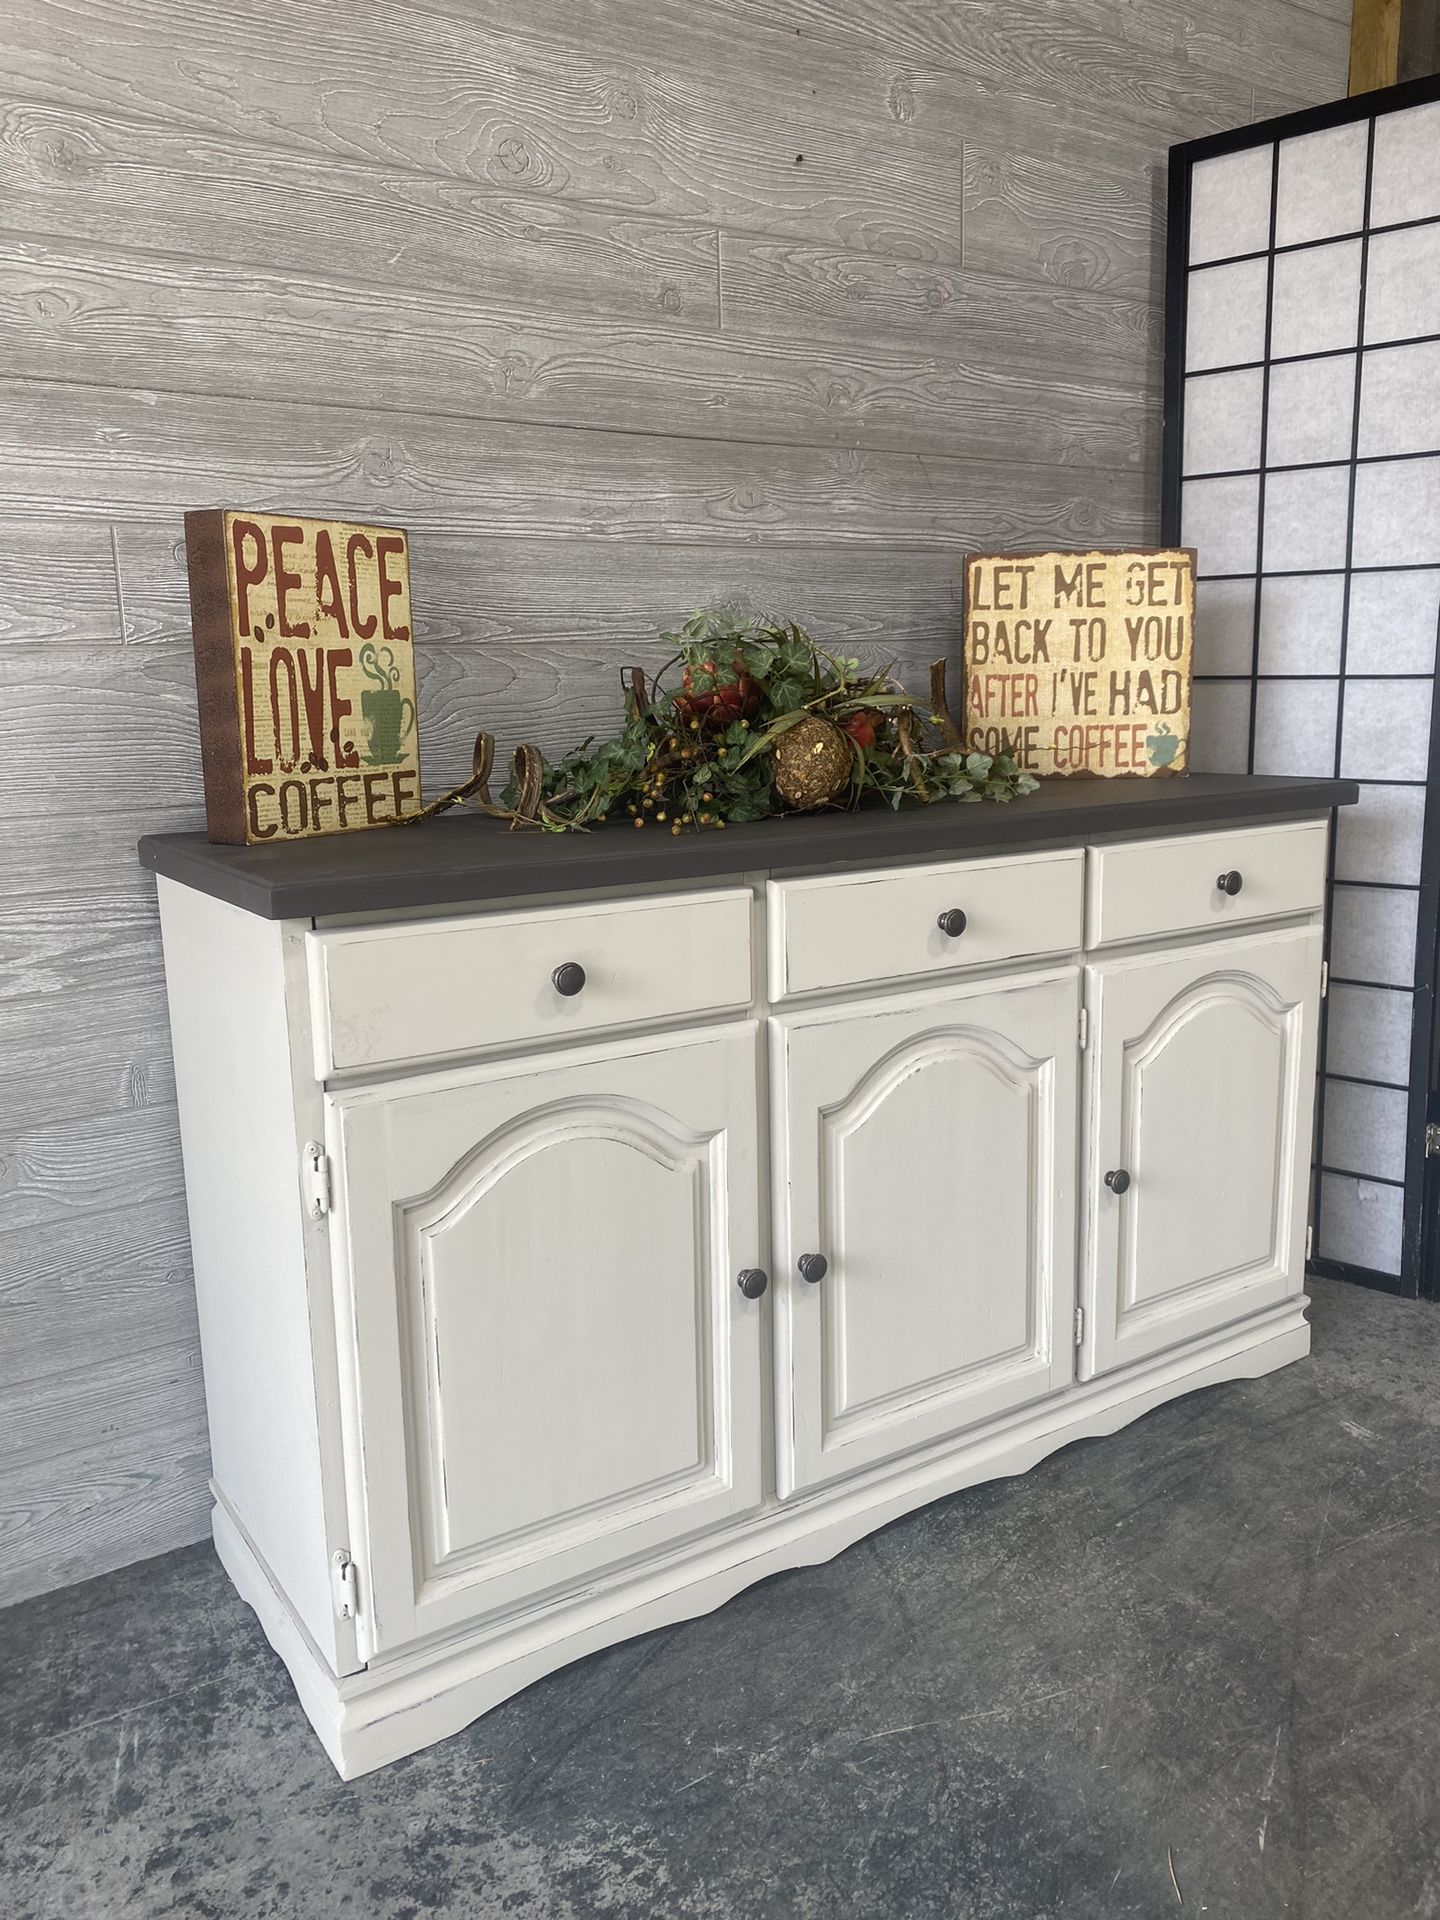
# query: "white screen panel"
{"type": "Point", "coordinates": [1219, 521]}
{"type": "Point", "coordinates": [1303, 465]}
{"type": "Point", "coordinates": [1312, 409]}
{"type": "Point", "coordinates": [1306, 517]}
{"type": "Point", "coordinates": [1227, 315]}
{"type": "Point", "coordinates": [1365, 1129]}
{"type": "Point", "coordinates": [1295, 726]}
{"type": "Point", "coordinates": [1407, 165]}
{"type": "Point", "coordinates": [1386, 729]}
{"type": "Point", "coordinates": [1394, 622]}
{"type": "Point", "coordinates": [1224, 626]}
{"type": "Point", "coordinates": [1397, 514]}
{"type": "Point", "coordinates": [1222, 421]}
{"type": "Point", "coordinates": [1372, 934]}
{"type": "Point", "coordinates": [1322, 184]}
{"type": "Point", "coordinates": [1360, 1223]}
{"type": "Point", "coordinates": [1402, 284]}
{"type": "Point", "coordinates": [1230, 205]}
{"type": "Point", "coordinates": [1381, 838]}
{"type": "Point", "coordinates": [1317, 300]}
{"type": "Point", "coordinates": [1301, 621]}
{"type": "Point", "coordinates": [1369, 1035]}
{"type": "Point", "coordinates": [1220, 726]}
{"type": "Point", "coordinates": [1400, 400]}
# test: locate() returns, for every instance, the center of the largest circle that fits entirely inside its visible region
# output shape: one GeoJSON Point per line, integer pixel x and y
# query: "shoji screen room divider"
{"type": "Point", "coordinates": [1302, 461]}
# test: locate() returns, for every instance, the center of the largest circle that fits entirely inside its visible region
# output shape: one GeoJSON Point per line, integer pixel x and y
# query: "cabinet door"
{"type": "Point", "coordinates": [555, 1369]}
{"type": "Point", "coordinates": [1202, 1080]}
{"type": "Point", "coordinates": [925, 1148]}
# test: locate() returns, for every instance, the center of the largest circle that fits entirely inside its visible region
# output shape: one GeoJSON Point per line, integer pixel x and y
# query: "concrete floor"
{"type": "Point", "coordinates": [1210, 1640]}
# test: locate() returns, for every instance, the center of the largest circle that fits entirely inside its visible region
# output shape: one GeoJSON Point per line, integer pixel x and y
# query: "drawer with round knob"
{"type": "Point", "coordinates": [1141, 889]}
{"type": "Point", "coordinates": [424, 990]}
{"type": "Point", "coordinates": [909, 923]}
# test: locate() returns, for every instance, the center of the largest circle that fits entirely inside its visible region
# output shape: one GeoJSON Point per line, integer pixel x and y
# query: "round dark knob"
{"type": "Point", "coordinates": [953, 923]}
{"type": "Point", "coordinates": [569, 978]}
{"type": "Point", "coordinates": [1230, 883]}
{"type": "Point", "coordinates": [1118, 1180]}
{"type": "Point", "coordinates": [813, 1267]}
{"type": "Point", "coordinates": [752, 1282]}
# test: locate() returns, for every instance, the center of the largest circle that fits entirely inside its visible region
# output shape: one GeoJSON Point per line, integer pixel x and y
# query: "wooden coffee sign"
{"type": "Point", "coordinates": [305, 669]}
{"type": "Point", "coordinates": [1080, 662]}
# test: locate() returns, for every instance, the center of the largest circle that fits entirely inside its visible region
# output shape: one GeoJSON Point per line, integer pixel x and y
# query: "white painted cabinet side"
{"type": "Point", "coordinates": [225, 976]}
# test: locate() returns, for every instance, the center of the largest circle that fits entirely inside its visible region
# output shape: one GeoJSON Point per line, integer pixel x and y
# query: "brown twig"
{"type": "Point", "coordinates": [529, 772]}
{"type": "Point", "coordinates": [527, 769]}
{"type": "Point", "coordinates": [953, 736]}
{"type": "Point", "coordinates": [480, 761]}
{"type": "Point", "coordinates": [904, 732]}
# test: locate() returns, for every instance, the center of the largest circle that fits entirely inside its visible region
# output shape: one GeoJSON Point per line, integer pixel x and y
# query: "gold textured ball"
{"type": "Point", "coordinates": [812, 763]}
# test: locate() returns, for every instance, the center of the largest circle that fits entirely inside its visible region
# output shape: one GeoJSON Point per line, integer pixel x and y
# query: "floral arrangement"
{"type": "Point", "coordinates": [763, 721]}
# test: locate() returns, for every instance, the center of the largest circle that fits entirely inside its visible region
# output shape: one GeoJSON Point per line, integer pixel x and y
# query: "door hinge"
{"type": "Point", "coordinates": [1079, 1325]}
{"type": "Point", "coordinates": [317, 1179]}
{"type": "Point", "coordinates": [1309, 1243]}
{"type": "Point", "coordinates": [1324, 978]}
{"type": "Point", "coordinates": [1432, 1140]}
{"type": "Point", "coordinates": [1084, 1028]}
{"type": "Point", "coordinates": [346, 1584]}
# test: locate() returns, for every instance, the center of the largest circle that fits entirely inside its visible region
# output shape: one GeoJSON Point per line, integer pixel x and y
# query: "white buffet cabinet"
{"type": "Point", "coordinates": [565, 1266]}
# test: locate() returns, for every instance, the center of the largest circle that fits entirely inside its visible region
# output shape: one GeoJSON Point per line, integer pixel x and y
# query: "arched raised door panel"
{"type": "Point", "coordinates": [1203, 1068]}
{"type": "Point", "coordinates": [928, 1155]}
{"type": "Point", "coordinates": [557, 1371]}
{"type": "Point", "coordinates": [910, 1315]}
{"type": "Point", "coordinates": [1215, 1214]}
{"type": "Point", "coordinates": [502, 1374]}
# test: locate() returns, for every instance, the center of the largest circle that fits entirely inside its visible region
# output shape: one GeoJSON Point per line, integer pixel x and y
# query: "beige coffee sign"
{"type": "Point", "coordinates": [1080, 662]}
{"type": "Point", "coordinates": [305, 668]}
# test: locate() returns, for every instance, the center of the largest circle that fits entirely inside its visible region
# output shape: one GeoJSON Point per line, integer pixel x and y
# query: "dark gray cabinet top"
{"type": "Point", "coordinates": [466, 857]}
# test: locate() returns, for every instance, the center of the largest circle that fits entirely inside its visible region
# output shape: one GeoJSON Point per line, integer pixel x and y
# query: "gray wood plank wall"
{"type": "Point", "coordinates": [620, 309]}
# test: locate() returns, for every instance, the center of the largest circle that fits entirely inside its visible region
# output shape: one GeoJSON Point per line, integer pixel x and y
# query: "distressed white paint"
{"type": "Point", "coordinates": [1151, 888]}
{"type": "Point", "coordinates": [385, 996]}
{"type": "Point", "coordinates": [865, 929]}
{"type": "Point", "coordinates": [1201, 1083]}
{"type": "Point", "coordinates": [266, 1334]}
{"type": "Point", "coordinates": [926, 1147]}
{"type": "Point", "coordinates": [555, 1368]}
{"type": "Point", "coordinates": [512, 1374]}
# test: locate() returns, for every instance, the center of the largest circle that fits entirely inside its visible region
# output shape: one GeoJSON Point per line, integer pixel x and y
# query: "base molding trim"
{"type": "Point", "coordinates": [407, 1701]}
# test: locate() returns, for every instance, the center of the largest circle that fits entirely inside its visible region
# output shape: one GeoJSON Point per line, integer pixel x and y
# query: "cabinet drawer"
{"type": "Point", "coordinates": [861, 928]}
{"type": "Point", "coordinates": [387, 995]}
{"type": "Point", "coordinates": [1152, 887]}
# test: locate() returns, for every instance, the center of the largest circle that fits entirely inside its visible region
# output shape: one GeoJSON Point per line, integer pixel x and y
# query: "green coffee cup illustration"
{"type": "Point", "coordinates": [389, 715]}
{"type": "Point", "coordinates": [1162, 745]}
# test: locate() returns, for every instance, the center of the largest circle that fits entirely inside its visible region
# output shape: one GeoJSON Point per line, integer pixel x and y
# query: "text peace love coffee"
{"type": "Point", "coordinates": [305, 670]}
